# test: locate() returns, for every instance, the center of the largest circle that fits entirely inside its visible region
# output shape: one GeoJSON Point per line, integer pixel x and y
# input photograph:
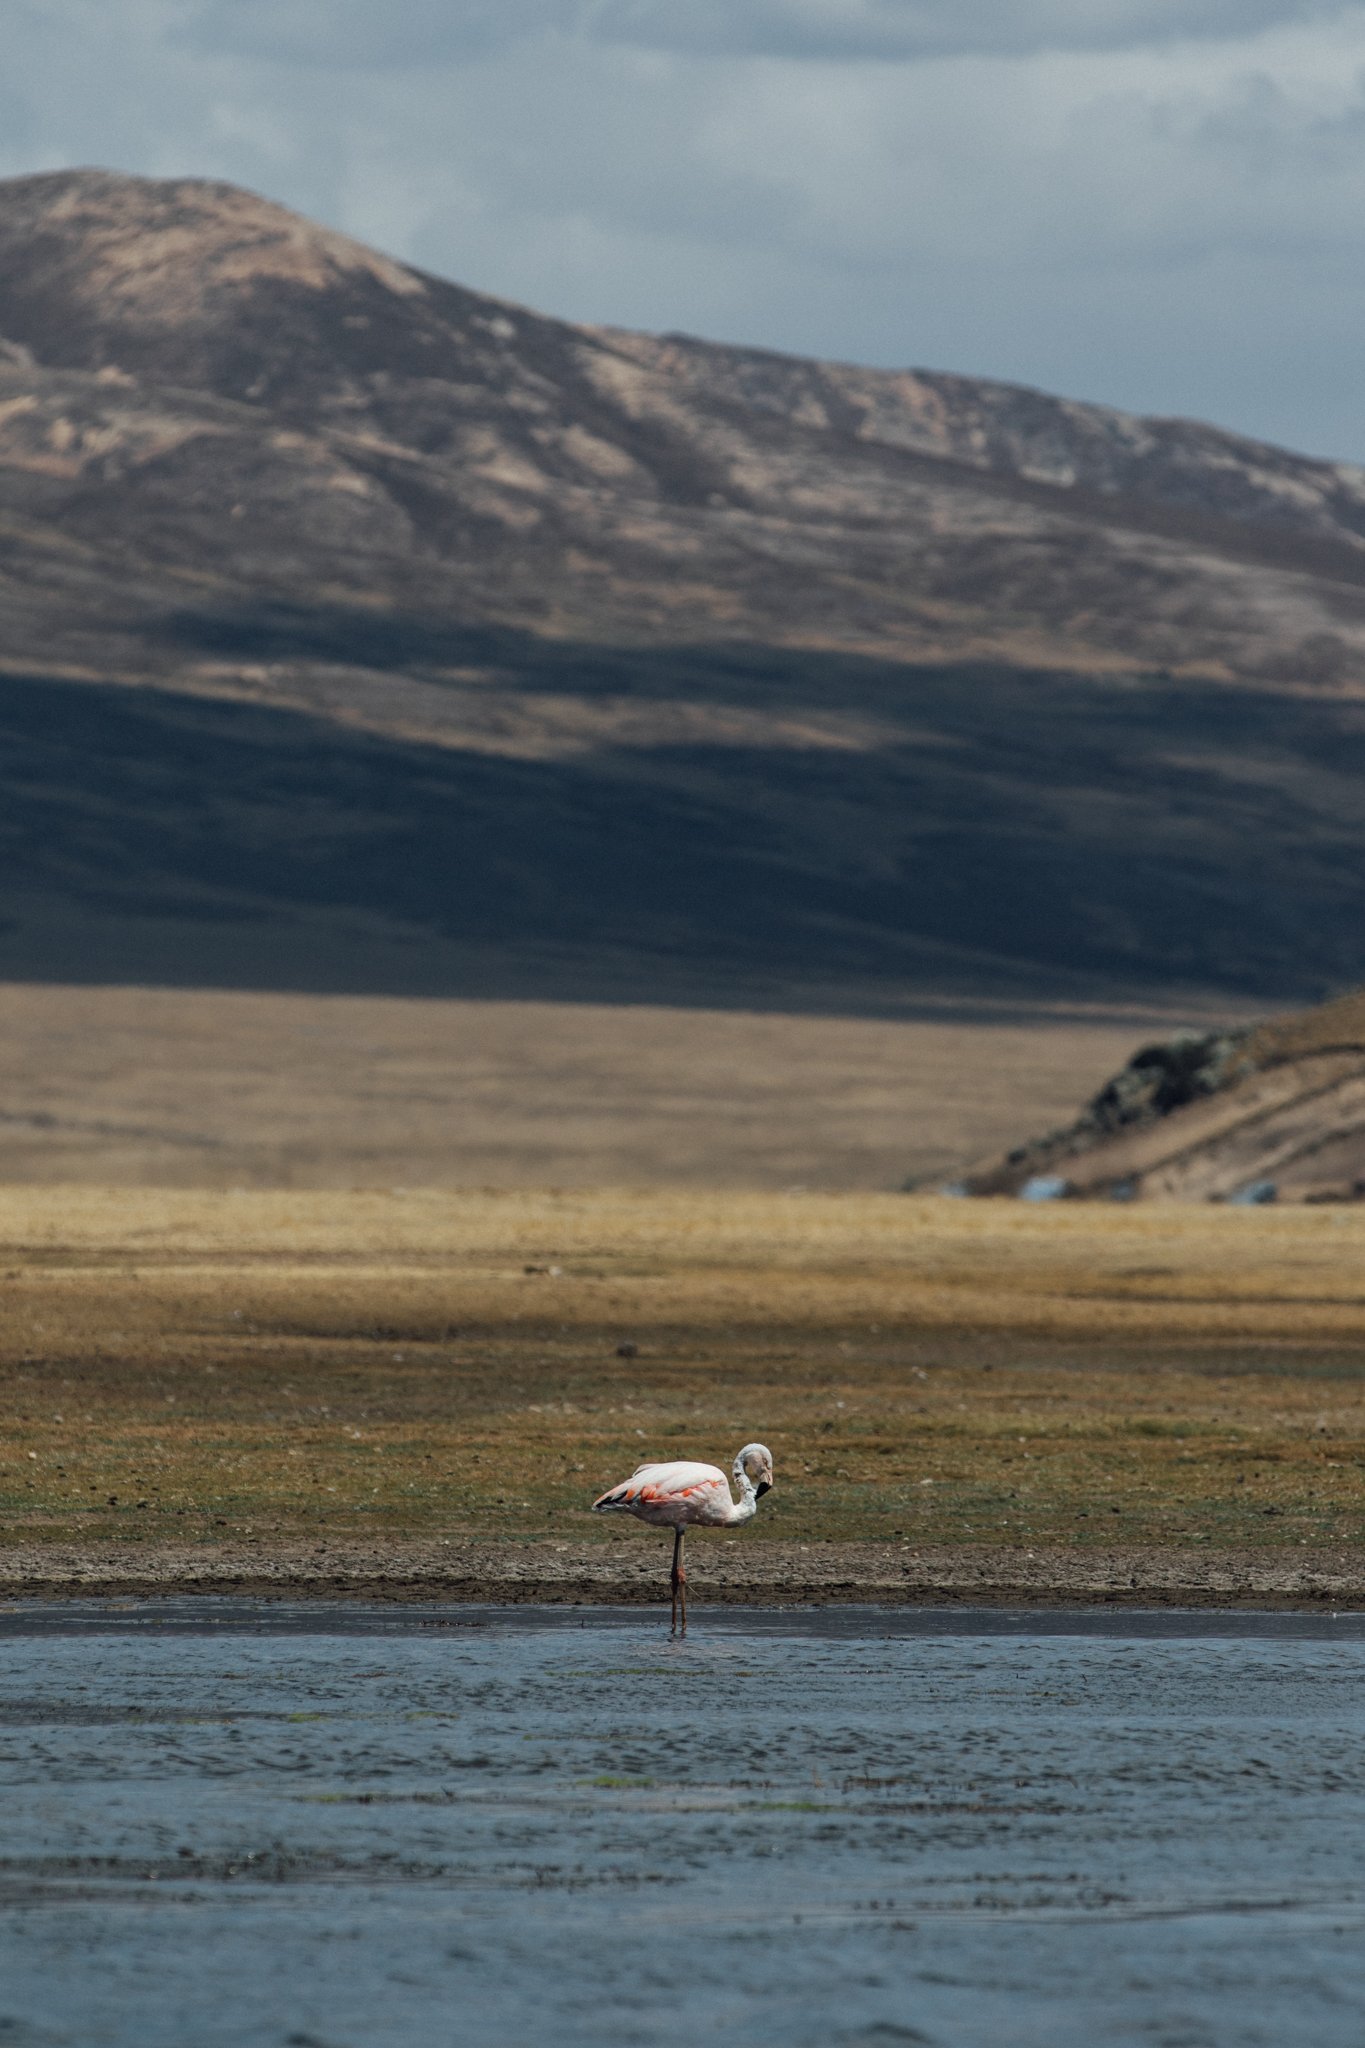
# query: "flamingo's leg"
{"type": "Point", "coordinates": [677, 1579]}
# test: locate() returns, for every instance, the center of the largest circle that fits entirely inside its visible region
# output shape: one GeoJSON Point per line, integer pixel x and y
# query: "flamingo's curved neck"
{"type": "Point", "coordinates": [746, 1507]}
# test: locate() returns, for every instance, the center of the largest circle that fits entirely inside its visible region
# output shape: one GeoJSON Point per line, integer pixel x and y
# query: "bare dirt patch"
{"type": "Point", "coordinates": [723, 1572]}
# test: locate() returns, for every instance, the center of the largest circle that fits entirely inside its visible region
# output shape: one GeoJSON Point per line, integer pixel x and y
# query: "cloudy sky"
{"type": "Point", "coordinates": [1157, 203]}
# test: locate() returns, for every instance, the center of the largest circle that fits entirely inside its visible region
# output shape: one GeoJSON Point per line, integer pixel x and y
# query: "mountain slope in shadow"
{"type": "Point", "coordinates": [362, 631]}
{"type": "Point", "coordinates": [218, 843]}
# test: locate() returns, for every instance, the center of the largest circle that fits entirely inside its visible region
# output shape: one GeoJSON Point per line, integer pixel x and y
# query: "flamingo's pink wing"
{"type": "Point", "coordinates": [662, 1484]}
{"type": "Point", "coordinates": [660, 1487]}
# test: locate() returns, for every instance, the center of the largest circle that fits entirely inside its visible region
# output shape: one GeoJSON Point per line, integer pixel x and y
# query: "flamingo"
{"type": "Point", "coordinates": [679, 1495]}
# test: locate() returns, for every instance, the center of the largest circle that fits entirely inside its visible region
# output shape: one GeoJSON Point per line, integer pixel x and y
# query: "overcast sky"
{"type": "Point", "coordinates": [1156, 203]}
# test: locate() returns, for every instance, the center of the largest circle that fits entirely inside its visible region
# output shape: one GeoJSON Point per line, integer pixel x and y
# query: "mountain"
{"type": "Point", "coordinates": [357, 629]}
{"type": "Point", "coordinates": [1270, 1112]}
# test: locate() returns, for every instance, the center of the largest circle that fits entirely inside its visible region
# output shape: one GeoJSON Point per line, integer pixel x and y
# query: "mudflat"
{"type": "Point", "coordinates": [421, 1393]}
{"type": "Point", "coordinates": [724, 1573]}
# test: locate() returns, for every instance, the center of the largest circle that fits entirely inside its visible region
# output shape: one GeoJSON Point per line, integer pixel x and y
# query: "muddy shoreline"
{"type": "Point", "coordinates": [630, 1576]}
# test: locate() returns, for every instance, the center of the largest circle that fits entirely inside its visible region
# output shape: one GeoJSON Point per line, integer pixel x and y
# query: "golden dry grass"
{"type": "Point", "coordinates": [212, 1367]}
{"type": "Point", "coordinates": [214, 1088]}
{"type": "Point", "coordinates": [1329, 1027]}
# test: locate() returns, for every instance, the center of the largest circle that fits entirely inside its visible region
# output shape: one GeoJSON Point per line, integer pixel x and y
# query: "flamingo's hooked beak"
{"type": "Point", "coordinates": [763, 1486]}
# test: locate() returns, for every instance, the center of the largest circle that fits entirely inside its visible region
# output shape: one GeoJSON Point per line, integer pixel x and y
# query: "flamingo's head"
{"type": "Point", "coordinates": [755, 1464]}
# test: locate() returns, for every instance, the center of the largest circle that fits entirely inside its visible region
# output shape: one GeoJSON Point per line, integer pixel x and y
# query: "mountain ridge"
{"type": "Point", "coordinates": [445, 414]}
{"type": "Point", "coordinates": [893, 669]}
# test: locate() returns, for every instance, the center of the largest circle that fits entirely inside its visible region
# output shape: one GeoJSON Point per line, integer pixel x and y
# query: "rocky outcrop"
{"type": "Point", "coordinates": [1274, 1112]}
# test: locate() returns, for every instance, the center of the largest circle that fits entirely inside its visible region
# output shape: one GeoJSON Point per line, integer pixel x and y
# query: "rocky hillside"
{"type": "Point", "coordinates": [1268, 1112]}
{"type": "Point", "coordinates": [584, 647]}
{"type": "Point", "coordinates": [206, 383]}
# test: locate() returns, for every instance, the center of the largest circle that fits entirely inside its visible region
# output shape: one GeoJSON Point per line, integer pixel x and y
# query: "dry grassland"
{"type": "Point", "coordinates": [206, 1088]}
{"type": "Point", "coordinates": [272, 1369]}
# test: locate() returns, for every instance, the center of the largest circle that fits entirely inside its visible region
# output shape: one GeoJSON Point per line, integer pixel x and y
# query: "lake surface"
{"type": "Point", "coordinates": [369, 1827]}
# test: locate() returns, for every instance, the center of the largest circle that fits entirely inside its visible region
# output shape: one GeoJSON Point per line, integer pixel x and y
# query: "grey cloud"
{"type": "Point", "coordinates": [359, 33]}
{"type": "Point", "coordinates": [348, 33]}
{"type": "Point", "coordinates": [934, 28]}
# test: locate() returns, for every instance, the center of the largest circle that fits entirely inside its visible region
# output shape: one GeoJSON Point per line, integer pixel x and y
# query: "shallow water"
{"type": "Point", "coordinates": [360, 1826]}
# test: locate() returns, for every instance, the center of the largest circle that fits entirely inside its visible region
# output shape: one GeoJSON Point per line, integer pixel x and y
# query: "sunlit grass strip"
{"type": "Point", "coordinates": [194, 1367]}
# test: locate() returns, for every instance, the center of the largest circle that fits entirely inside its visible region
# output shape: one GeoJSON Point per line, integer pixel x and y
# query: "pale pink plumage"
{"type": "Point", "coordinates": [676, 1496]}
{"type": "Point", "coordinates": [685, 1496]}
